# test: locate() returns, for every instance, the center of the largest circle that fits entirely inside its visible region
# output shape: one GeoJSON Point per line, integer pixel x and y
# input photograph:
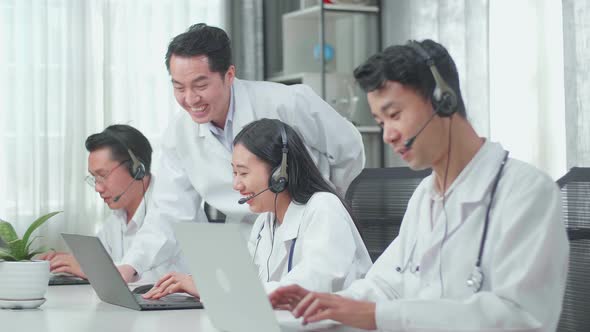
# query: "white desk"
{"type": "Point", "coordinates": [77, 308]}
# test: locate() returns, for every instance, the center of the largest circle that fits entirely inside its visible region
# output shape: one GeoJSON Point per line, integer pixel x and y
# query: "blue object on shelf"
{"type": "Point", "coordinates": [328, 52]}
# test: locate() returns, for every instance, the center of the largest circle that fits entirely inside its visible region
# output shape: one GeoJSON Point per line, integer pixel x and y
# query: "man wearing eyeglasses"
{"type": "Point", "coordinates": [119, 164]}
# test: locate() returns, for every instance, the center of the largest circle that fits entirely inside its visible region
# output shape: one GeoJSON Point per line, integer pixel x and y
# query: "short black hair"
{"type": "Point", "coordinates": [201, 39]}
{"type": "Point", "coordinates": [403, 64]}
{"type": "Point", "coordinates": [118, 138]}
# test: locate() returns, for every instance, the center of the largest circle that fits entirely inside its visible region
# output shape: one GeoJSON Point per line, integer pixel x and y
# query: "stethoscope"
{"type": "Point", "coordinates": [476, 277]}
{"type": "Point", "coordinates": [291, 250]}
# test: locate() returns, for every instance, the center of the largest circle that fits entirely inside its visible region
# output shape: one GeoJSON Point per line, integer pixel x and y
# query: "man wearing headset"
{"type": "Point", "coordinates": [482, 245]}
{"type": "Point", "coordinates": [119, 164]}
{"type": "Point", "coordinates": [197, 147]}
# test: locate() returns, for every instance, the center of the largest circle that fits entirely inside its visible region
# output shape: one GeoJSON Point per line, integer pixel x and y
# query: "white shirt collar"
{"type": "Point", "coordinates": [483, 150]}
{"type": "Point", "coordinates": [225, 135]}
{"type": "Point", "coordinates": [139, 215]}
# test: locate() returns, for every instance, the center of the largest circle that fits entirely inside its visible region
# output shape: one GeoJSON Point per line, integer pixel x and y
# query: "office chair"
{"type": "Point", "coordinates": [378, 198]}
{"type": "Point", "coordinates": [575, 197]}
{"type": "Point", "coordinates": [213, 215]}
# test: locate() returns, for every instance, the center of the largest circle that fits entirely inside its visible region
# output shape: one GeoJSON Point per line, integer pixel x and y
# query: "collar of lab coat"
{"type": "Point", "coordinates": [243, 114]}
{"type": "Point", "coordinates": [471, 186]}
{"type": "Point", "coordinates": [286, 232]}
{"type": "Point", "coordinates": [139, 215]}
{"type": "Point", "coordinates": [291, 222]}
{"type": "Point", "coordinates": [476, 178]}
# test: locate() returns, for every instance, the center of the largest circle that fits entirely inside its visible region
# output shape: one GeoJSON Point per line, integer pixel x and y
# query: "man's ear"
{"type": "Point", "coordinates": [230, 74]}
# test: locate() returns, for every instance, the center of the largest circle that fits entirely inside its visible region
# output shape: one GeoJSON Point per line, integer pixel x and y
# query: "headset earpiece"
{"type": "Point", "coordinates": [277, 183]}
{"type": "Point", "coordinates": [279, 178]}
{"type": "Point", "coordinates": [444, 99]}
{"type": "Point", "coordinates": [136, 167]}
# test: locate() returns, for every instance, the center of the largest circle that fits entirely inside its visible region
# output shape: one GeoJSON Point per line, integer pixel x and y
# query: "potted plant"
{"type": "Point", "coordinates": [23, 281]}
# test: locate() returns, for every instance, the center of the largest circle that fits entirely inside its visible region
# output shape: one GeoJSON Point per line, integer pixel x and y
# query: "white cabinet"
{"type": "Point", "coordinates": [349, 33]}
{"type": "Point", "coordinates": [340, 90]}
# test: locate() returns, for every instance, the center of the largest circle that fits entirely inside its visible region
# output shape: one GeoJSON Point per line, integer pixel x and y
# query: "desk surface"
{"type": "Point", "coordinates": [78, 308]}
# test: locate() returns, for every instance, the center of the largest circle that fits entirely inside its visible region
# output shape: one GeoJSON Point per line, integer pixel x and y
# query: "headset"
{"type": "Point", "coordinates": [277, 183]}
{"type": "Point", "coordinates": [444, 99]}
{"type": "Point", "coordinates": [136, 167]}
{"type": "Point", "coordinates": [279, 178]}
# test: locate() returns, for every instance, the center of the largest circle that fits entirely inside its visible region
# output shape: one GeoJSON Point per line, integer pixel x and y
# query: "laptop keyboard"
{"type": "Point", "coordinates": [167, 301]}
{"type": "Point", "coordinates": [60, 280]}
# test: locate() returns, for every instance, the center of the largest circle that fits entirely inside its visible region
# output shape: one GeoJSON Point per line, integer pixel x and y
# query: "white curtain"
{"type": "Point", "coordinates": [509, 57]}
{"type": "Point", "coordinates": [247, 38]}
{"type": "Point", "coordinates": [462, 27]}
{"type": "Point", "coordinates": [576, 15]}
{"type": "Point", "coordinates": [69, 68]}
{"type": "Point", "coordinates": [527, 100]}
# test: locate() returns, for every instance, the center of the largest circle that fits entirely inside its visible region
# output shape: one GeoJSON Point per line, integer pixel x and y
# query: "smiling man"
{"type": "Point", "coordinates": [482, 245]}
{"type": "Point", "coordinates": [197, 147]}
{"type": "Point", "coordinates": [119, 163]}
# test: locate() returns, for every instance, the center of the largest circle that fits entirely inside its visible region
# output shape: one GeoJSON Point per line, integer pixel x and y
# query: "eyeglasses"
{"type": "Point", "coordinates": [92, 180]}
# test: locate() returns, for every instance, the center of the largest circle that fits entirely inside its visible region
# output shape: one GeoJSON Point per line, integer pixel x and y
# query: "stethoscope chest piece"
{"type": "Point", "coordinates": [475, 279]}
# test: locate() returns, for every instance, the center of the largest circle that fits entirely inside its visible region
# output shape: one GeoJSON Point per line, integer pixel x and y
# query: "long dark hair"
{"type": "Point", "coordinates": [263, 139]}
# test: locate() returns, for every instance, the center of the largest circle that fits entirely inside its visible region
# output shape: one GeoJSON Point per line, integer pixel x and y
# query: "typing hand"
{"type": "Point", "coordinates": [143, 289]}
{"type": "Point", "coordinates": [64, 263]}
{"type": "Point", "coordinates": [47, 256]}
{"type": "Point", "coordinates": [319, 306]}
{"type": "Point", "coordinates": [287, 298]}
{"type": "Point", "coordinates": [173, 282]}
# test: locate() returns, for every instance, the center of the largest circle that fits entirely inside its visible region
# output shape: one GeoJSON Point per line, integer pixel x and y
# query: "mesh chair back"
{"type": "Point", "coordinates": [378, 198]}
{"type": "Point", "coordinates": [575, 196]}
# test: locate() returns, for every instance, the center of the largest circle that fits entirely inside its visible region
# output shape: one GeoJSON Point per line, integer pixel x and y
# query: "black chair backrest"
{"type": "Point", "coordinates": [575, 196]}
{"type": "Point", "coordinates": [378, 198]}
{"type": "Point", "coordinates": [213, 215]}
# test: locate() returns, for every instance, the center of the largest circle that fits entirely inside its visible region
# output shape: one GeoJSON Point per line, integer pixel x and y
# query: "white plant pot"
{"type": "Point", "coordinates": [23, 281]}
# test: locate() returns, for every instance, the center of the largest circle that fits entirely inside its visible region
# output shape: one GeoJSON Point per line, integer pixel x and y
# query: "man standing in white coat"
{"type": "Point", "coordinates": [482, 246]}
{"type": "Point", "coordinates": [196, 162]}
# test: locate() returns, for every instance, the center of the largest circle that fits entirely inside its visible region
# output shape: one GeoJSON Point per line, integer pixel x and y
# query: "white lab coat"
{"type": "Point", "coordinates": [328, 254]}
{"type": "Point", "coordinates": [524, 262]}
{"type": "Point", "coordinates": [196, 166]}
{"type": "Point", "coordinates": [117, 235]}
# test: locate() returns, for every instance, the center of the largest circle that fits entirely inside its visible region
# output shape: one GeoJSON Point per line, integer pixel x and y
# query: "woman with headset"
{"type": "Point", "coordinates": [304, 234]}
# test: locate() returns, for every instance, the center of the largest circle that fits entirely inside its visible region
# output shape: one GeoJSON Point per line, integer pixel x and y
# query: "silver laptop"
{"type": "Point", "coordinates": [227, 280]}
{"type": "Point", "coordinates": [108, 283]}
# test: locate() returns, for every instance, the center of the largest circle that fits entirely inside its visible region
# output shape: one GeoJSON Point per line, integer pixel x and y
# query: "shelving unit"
{"type": "Point", "coordinates": [353, 33]}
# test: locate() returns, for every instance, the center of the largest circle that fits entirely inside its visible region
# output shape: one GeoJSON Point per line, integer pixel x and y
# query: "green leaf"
{"type": "Point", "coordinates": [6, 255]}
{"type": "Point", "coordinates": [20, 249]}
{"type": "Point", "coordinates": [28, 246]}
{"type": "Point", "coordinates": [17, 249]}
{"type": "Point", "coordinates": [7, 232]}
{"type": "Point", "coordinates": [14, 245]}
{"type": "Point", "coordinates": [36, 225]}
